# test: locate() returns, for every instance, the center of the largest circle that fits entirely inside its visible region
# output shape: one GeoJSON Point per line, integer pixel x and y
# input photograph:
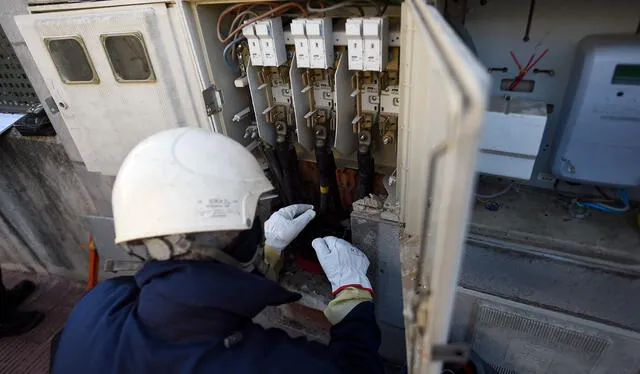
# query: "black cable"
{"type": "Point", "coordinates": [383, 10]}
{"type": "Point", "coordinates": [603, 193]}
{"type": "Point", "coordinates": [288, 160]}
{"type": "Point", "coordinates": [365, 174]}
{"type": "Point", "coordinates": [274, 167]}
{"type": "Point", "coordinates": [527, 31]}
{"type": "Point", "coordinates": [329, 194]}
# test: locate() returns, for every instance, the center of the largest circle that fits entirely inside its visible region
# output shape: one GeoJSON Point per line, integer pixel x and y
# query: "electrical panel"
{"type": "Point", "coordinates": [333, 83]}
{"type": "Point", "coordinates": [333, 96]}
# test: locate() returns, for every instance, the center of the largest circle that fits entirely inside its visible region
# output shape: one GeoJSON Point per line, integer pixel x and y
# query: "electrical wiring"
{"type": "Point", "coordinates": [343, 4]}
{"type": "Point", "coordinates": [571, 197]}
{"type": "Point", "coordinates": [226, 50]}
{"type": "Point", "coordinates": [241, 16]}
{"type": "Point", "coordinates": [236, 30]}
{"type": "Point", "coordinates": [495, 195]}
{"type": "Point", "coordinates": [523, 71]}
{"type": "Point", "coordinates": [231, 51]}
{"type": "Point", "coordinates": [608, 208]}
{"type": "Point", "coordinates": [236, 7]}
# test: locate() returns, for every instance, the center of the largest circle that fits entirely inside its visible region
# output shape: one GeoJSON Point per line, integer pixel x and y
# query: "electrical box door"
{"type": "Point", "coordinates": [444, 92]}
{"type": "Point", "coordinates": [117, 75]}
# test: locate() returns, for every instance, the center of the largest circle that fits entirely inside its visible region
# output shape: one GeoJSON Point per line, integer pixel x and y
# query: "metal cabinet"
{"type": "Point", "coordinates": [116, 74]}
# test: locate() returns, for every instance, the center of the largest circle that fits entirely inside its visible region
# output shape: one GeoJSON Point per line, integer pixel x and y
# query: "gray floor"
{"type": "Point", "coordinates": [537, 217]}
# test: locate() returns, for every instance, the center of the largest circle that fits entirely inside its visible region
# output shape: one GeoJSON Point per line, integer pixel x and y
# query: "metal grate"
{"type": "Point", "coordinates": [16, 92]}
{"type": "Point", "coordinates": [512, 342]}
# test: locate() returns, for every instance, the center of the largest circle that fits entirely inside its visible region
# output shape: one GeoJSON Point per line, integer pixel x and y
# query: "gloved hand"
{"type": "Point", "coordinates": [284, 225]}
{"type": "Point", "coordinates": [345, 265]}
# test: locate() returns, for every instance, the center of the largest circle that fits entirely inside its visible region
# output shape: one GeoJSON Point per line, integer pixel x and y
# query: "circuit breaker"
{"type": "Point", "coordinates": [320, 37]}
{"type": "Point", "coordinates": [367, 43]}
{"type": "Point", "coordinates": [253, 42]}
{"type": "Point", "coordinates": [266, 42]}
{"type": "Point", "coordinates": [301, 44]}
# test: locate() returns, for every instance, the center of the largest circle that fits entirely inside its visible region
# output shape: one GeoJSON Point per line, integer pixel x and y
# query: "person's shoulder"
{"type": "Point", "coordinates": [115, 284]}
{"type": "Point", "coordinates": [110, 291]}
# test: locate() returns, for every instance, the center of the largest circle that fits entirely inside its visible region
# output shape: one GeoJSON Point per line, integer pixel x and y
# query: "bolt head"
{"type": "Point", "coordinates": [363, 137]}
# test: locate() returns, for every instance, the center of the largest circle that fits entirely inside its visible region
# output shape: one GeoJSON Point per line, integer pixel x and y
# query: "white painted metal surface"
{"type": "Point", "coordinates": [444, 92]}
{"type": "Point", "coordinates": [107, 119]}
{"type": "Point", "coordinates": [511, 137]}
{"type": "Point", "coordinates": [345, 141]}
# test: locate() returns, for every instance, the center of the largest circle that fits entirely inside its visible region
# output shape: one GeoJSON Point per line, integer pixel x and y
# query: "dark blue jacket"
{"type": "Point", "coordinates": [174, 317]}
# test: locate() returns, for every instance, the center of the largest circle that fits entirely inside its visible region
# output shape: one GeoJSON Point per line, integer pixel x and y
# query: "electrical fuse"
{"type": "Point", "coordinates": [301, 43]}
{"type": "Point", "coordinates": [375, 34]}
{"type": "Point", "coordinates": [320, 39]}
{"type": "Point", "coordinates": [255, 53]}
{"type": "Point", "coordinates": [271, 36]}
{"type": "Point", "coordinates": [355, 51]}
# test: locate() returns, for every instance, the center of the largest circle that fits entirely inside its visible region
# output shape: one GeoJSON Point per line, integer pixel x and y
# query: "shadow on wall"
{"type": "Point", "coordinates": [42, 202]}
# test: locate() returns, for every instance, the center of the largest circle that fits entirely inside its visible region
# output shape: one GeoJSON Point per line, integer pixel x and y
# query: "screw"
{"type": "Point", "coordinates": [572, 169]}
{"type": "Point", "coordinates": [387, 140]}
{"type": "Point", "coordinates": [318, 132]}
{"type": "Point", "coordinates": [363, 137]}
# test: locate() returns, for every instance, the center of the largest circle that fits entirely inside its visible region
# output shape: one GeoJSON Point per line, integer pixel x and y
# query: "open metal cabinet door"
{"type": "Point", "coordinates": [444, 90]}
{"type": "Point", "coordinates": [116, 75]}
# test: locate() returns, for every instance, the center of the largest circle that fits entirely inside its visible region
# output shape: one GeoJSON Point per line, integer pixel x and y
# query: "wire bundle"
{"type": "Point", "coordinates": [624, 197]}
{"type": "Point", "coordinates": [246, 14]}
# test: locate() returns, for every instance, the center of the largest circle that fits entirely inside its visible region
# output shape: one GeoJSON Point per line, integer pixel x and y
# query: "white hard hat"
{"type": "Point", "coordinates": [186, 180]}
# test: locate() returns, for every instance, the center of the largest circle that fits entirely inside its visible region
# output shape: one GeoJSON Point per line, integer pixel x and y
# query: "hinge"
{"type": "Point", "coordinates": [212, 100]}
{"type": "Point", "coordinates": [452, 353]}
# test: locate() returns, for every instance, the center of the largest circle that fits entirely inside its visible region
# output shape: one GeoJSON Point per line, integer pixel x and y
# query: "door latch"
{"type": "Point", "coordinates": [212, 100]}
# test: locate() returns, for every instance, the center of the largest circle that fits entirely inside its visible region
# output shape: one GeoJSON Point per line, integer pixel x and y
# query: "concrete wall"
{"type": "Point", "coordinates": [42, 201]}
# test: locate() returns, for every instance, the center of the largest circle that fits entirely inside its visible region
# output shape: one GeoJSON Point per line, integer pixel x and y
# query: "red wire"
{"type": "Point", "coordinates": [526, 67]}
{"type": "Point", "coordinates": [530, 64]}
{"type": "Point", "coordinates": [515, 59]}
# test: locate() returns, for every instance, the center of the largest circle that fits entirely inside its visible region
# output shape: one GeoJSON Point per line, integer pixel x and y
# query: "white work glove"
{"type": "Point", "coordinates": [344, 264]}
{"type": "Point", "coordinates": [284, 225]}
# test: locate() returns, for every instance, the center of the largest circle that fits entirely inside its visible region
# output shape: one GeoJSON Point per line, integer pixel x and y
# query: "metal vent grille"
{"type": "Point", "coordinates": [512, 342]}
{"type": "Point", "coordinates": [16, 92]}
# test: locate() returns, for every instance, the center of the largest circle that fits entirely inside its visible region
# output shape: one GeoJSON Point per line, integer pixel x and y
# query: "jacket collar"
{"type": "Point", "coordinates": [202, 299]}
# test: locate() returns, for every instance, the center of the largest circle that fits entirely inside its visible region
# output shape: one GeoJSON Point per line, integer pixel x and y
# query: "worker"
{"type": "Point", "coordinates": [189, 198]}
{"type": "Point", "coordinates": [13, 321]}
